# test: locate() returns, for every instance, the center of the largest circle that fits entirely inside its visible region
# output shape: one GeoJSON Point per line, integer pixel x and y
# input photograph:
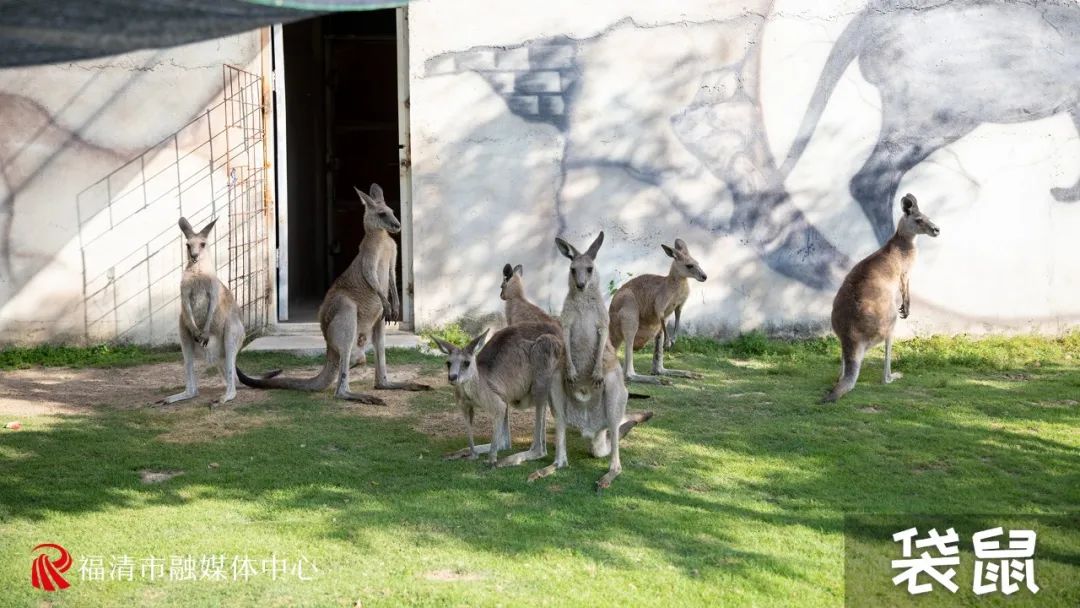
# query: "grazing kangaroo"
{"type": "Point", "coordinates": [866, 306]}
{"type": "Point", "coordinates": [518, 365]}
{"type": "Point", "coordinates": [355, 307]}
{"type": "Point", "coordinates": [640, 308]}
{"type": "Point", "coordinates": [209, 318]}
{"type": "Point", "coordinates": [518, 307]}
{"type": "Point", "coordinates": [596, 404]}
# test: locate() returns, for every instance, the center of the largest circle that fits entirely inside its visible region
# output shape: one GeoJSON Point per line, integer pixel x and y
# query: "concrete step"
{"type": "Point", "coordinates": [305, 339]}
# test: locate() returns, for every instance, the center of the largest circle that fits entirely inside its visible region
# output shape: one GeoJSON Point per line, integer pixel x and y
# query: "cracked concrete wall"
{"type": "Point", "coordinates": [775, 138]}
{"type": "Point", "coordinates": [88, 239]}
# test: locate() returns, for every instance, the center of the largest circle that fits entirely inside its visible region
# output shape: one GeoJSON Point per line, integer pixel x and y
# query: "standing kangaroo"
{"type": "Point", "coordinates": [518, 307]}
{"type": "Point", "coordinates": [866, 306]}
{"type": "Point", "coordinates": [209, 318]}
{"type": "Point", "coordinates": [355, 307]}
{"type": "Point", "coordinates": [519, 364]}
{"type": "Point", "coordinates": [640, 308]}
{"type": "Point", "coordinates": [596, 403]}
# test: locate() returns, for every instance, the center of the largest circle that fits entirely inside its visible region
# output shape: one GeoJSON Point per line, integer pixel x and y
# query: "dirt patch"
{"type": "Point", "coordinates": [151, 476]}
{"type": "Point", "coordinates": [1017, 377]}
{"type": "Point", "coordinates": [49, 391]}
{"type": "Point", "coordinates": [224, 422]}
{"type": "Point", "coordinates": [453, 576]}
{"type": "Point", "coordinates": [58, 390]}
{"type": "Point", "coordinates": [870, 409]}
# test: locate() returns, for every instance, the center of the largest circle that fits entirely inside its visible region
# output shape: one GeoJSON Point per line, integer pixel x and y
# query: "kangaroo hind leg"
{"type": "Point", "coordinates": [382, 380]}
{"type": "Point", "coordinates": [341, 336]}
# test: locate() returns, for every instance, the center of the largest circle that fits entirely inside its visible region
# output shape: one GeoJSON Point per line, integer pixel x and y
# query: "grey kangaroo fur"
{"type": "Point", "coordinates": [518, 307]}
{"type": "Point", "coordinates": [519, 365]}
{"type": "Point", "coordinates": [355, 308]}
{"type": "Point", "coordinates": [640, 308]}
{"type": "Point", "coordinates": [209, 318]}
{"type": "Point", "coordinates": [874, 293]}
{"type": "Point", "coordinates": [593, 396]}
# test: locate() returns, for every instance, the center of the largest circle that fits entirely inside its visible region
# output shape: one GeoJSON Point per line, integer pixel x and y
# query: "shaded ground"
{"type": "Point", "coordinates": [734, 494]}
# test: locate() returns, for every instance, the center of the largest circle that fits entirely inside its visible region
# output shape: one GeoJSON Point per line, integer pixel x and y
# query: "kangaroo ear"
{"type": "Point", "coordinates": [207, 228]}
{"type": "Point", "coordinates": [185, 227]}
{"type": "Point", "coordinates": [476, 342]}
{"type": "Point", "coordinates": [566, 248]}
{"type": "Point", "coordinates": [519, 270]}
{"type": "Point", "coordinates": [377, 193]}
{"type": "Point", "coordinates": [668, 250]}
{"type": "Point", "coordinates": [364, 198]}
{"type": "Point", "coordinates": [444, 346]}
{"type": "Point", "coordinates": [909, 204]}
{"type": "Point", "coordinates": [680, 245]}
{"type": "Point", "coordinates": [508, 271]}
{"type": "Point", "coordinates": [595, 247]}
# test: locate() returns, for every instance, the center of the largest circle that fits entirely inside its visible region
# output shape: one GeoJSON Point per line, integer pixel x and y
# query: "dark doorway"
{"type": "Point", "coordinates": [342, 124]}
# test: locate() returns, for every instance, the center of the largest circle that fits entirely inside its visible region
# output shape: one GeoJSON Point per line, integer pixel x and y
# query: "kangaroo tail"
{"type": "Point", "coordinates": [316, 383]}
{"type": "Point", "coordinates": [847, 47]}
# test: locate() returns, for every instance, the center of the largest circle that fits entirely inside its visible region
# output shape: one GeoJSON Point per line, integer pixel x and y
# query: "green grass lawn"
{"type": "Point", "coordinates": [733, 495]}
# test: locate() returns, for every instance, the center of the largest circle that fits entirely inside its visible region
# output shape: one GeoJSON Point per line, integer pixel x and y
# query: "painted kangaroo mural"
{"type": "Point", "coordinates": [938, 64]}
{"type": "Point", "coordinates": [935, 64]}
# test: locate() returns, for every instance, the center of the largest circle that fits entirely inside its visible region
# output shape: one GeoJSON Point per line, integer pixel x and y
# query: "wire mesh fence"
{"type": "Point", "coordinates": [130, 247]}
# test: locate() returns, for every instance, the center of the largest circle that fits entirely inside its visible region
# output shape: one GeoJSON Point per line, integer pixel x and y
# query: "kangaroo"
{"type": "Point", "coordinates": [209, 318]}
{"type": "Point", "coordinates": [640, 308]}
{"type": "Point", "coordinates": [518, 307]}
{"type": "Point", "coordinates": [596, 404]}
{"type": "Point", "coordinates": [866, 306]}
{"type": "Point", "coordinates": [355, 307]}
{"type": "Point", "coordinates": [518, 365]}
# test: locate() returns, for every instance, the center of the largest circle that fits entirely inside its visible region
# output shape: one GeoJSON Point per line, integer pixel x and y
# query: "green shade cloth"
{"type": "Point", "coordinates": [55, 31]}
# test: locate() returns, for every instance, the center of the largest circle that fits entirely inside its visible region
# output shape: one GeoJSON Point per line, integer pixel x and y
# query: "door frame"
{"type": "Point", "coordinates": [281, 170]}
{"type": "Point", "coordinates": [405, 168]}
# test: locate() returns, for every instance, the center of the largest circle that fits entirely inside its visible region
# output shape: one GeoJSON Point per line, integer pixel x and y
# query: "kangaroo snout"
{"type": "Point", "coordinates": [452, 377]}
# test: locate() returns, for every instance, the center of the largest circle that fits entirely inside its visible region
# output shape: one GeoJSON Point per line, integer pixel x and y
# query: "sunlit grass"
{"type": "Point", "coordinates": [734, 494]}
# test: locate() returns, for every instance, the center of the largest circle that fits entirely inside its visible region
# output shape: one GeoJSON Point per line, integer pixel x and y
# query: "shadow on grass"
{"type": "Point", "coordinates": [746, 447]}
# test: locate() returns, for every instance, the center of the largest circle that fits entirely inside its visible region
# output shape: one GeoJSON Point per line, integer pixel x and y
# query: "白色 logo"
{"type": "Point", "coordinates": [47, 574]}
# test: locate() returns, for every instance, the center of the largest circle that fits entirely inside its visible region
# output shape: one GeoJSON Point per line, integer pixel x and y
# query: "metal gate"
{"type": "Point", "coordinates": [131, 250]}
{"type": "Point", "coordinates": [248, 262]}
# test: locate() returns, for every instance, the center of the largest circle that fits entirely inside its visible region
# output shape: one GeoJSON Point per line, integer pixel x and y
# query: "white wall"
{"type": "Point", "coordinates": [655, 120]}
{"type": "Point", "coordinates": [89, 249]}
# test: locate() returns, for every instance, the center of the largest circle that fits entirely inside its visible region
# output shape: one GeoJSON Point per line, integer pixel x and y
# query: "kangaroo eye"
{"type": "Point", "coordinates": [589, 269]}
{"type": "Point", "coordinates": [465, 364]}
{"type": "Point", "coordinates": [447, 365]}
